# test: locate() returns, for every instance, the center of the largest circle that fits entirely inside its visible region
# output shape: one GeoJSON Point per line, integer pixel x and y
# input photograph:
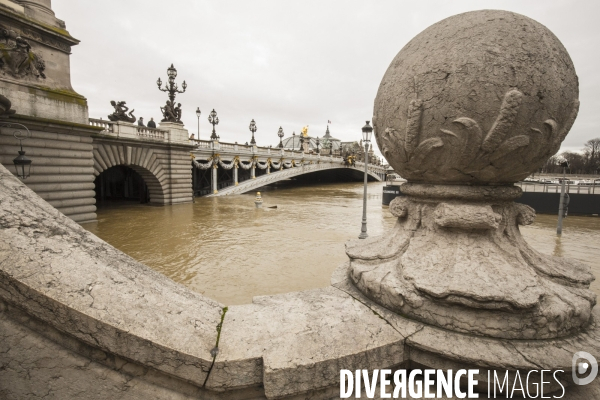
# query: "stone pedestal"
{"type": "Point", "coordinates": [177, 132]}
{"type": "Point", "coordinates": [462, 126]}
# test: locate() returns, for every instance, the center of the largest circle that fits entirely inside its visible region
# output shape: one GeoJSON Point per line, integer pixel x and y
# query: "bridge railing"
{"type": "Point", "coordinates": [152, 133]}
{"type": "Point", "coordinates": [107, 125]}
{"type": "Point", "coordinates": [126, 130]}
{"type": "Point", "coordinates": [271, 152]}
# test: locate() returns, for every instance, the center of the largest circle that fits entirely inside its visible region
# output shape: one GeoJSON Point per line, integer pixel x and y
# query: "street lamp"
{"type": "Point", "coordinates": [318, 142]}
{"type": "Point", "coordinates": [214, 120]}
{"type": "Point", "coordinates": [22, 163]}
{"type": "Point", "coordinates": [171, 88]}
{"type": "Point", "coordinates": [301, 143]}
{"type": "Point", "coordinates": [563, 197]}
{"type": "Point", "coordinates": [367, 130]}
{"type": "Point", "coordinates": [198, 112]}
{"type": "Point", "coordinates": [280, 134]}
{"type": "Point", "coordinates": [252, 128]}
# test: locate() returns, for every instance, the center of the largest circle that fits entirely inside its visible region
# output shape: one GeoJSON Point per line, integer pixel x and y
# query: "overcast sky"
{"type": "Point", "coordinates": [284, 63]}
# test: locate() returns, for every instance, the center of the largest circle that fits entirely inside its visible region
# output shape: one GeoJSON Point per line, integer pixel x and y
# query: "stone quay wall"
{"type": "Point", "coordinates": [67, 157]}
{"type": "Point", "coordinates": [62, 168]}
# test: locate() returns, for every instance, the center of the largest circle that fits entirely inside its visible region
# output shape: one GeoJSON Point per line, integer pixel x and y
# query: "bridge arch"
{"type": "Point", "coordinates": [306, 169]}
{"type": "Point", "coordinates": [142, 161]}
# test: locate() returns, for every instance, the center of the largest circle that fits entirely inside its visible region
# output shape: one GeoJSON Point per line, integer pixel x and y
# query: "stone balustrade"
{"type": "Point", "coordinates": [152, 133]}
{"type": "Point", "coordinates": [128, 130]}
{"type": "Point", "coordinates": [107, 125]}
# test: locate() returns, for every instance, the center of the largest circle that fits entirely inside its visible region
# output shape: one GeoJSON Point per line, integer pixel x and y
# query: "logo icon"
{"type": "Point", "coordinates": [581, 367]}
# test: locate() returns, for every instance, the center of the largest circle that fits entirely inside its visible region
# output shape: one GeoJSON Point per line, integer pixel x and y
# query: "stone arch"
{"type": "Point", "coordinates": [141, 160]}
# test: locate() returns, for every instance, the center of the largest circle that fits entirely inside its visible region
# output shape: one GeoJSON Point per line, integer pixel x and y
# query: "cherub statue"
{"type": "Point", "coordinates": [178, 112]}
{"type": "Point", "coordinates": [169, 113]}
{"type": "Point", "coordinates": [121, 113]}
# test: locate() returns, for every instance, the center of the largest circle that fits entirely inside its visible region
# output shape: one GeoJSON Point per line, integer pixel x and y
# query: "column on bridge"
{"type": "Point", "coordinates": [214, 178]}
{"type": "Point", "coordinates": [269, 165]}
{"type": "Point", "coordinates": [235, 173]}
{"type": "Point", "coordinates": [253, 169]}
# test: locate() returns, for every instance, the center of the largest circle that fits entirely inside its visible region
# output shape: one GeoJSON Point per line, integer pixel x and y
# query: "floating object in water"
{"type": "Point", "coordinates": [258, 200]}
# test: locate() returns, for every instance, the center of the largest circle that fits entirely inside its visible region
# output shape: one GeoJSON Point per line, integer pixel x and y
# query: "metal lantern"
{"type": "Point", "coordinates": [21, 162]}
{"type": "Point", "coordinates": [252, 128]}
{"type": "Point", "coordinates": [198, 112]}
{"type": "Point", "coordinates": [22, 165]}
{"type": "Point", "coordinates": [280, 134]}
{"type": "Point", "coordinates": [172, 72]}
{"type": "Point", "coordinates": [367, 130]}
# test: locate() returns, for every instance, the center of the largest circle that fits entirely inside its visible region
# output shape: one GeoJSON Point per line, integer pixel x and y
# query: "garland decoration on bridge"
{"type": "Point", "coordinates": [246, 166]}
{"type": "Point", "coordinates": [262, 165]}
{"type": "Point", "coordinates": [227, 166]}
{"type": "Point", "coordinates": [287, 164]}
{"type": "Point", "coordinates": [203, 166]}
{"type": "Point", "coordinates": [276, 165]}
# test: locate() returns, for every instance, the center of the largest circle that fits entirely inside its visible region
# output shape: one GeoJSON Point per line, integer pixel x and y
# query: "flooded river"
{"type": "Point", "coordinates": [228, 250]}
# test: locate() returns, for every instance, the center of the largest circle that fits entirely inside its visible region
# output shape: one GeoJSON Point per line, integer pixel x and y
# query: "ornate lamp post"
{"type": "Point", "coordinates": [214, 120]}
{"type": "Point", "coordinates": [172, 88]}
{"type": "Point", "coordinates": [318, 142]}
{"type": "Point", "coordinates": [171, 112]}
{"type": "Point", "coordinates": [22, 163]}
{"type": "Point", "coordinates": [252, 128]}
{"type": "Point", "coordinates": [293, 140]}
{"type": "Point", "coordinates": [367, 130]}
{"type": "Point", "coordinates": [301, 143]}
{"type": "Point", "coordinates": [280, 134]}
{"type": "Point", "coordinates": [198, 112]}
{"type": "Point", "coordinates": [563, 197]}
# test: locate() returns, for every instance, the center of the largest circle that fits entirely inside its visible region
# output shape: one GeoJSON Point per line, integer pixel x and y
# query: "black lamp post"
{"type": "Point", "coordinates": [214, 120]}
{"type": "Point", "coordinates": [318, 142]}
{"type": "Point", "coordinates": [198, 112]}
{"type": "Point", "coordinates": [280, 134]}
{"type": "Point", "coordinates": [171, 87]}
{"type": "Point", "coordinates": [367, 130]}
{"type": "Point", "coordinates": [561, 203]}
{"type": "Point", "coordinates": [21, 162]}
{"type": "Point", "coordinates": [301, 143]}
{"type": "Point", "coordinates": [252, 128]}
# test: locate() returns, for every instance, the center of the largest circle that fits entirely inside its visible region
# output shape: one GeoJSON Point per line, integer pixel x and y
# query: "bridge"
{"type": "Point", "coordinates": [222, 169]}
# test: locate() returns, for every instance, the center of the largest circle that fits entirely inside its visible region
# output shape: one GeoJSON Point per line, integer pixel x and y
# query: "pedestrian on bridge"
{"type": "Point", "coordinates": [151, 123]}
{"type": "Point", "coordinates": [141, 122]}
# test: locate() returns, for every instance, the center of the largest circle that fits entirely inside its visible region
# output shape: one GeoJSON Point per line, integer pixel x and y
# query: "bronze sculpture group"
{"type": "Point", "coordinates": [121, 113]}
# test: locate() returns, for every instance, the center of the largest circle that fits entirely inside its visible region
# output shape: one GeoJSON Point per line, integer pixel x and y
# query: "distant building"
{"type": "Point", "coordinates": [326, 143]}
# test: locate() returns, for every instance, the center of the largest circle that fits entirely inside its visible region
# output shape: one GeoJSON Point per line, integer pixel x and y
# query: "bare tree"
{"type": "Point", "coordinates": [592, 153]}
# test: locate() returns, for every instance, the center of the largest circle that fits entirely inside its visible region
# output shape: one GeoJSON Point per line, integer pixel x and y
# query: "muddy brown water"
{"type": "Point", "coordinates": [228, 250]}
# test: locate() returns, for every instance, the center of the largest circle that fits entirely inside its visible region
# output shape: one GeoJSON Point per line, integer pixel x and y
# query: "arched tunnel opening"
{"type": "Point", "coordinates": [120, 184]}
{"type": "Point", "coordinates": [334, 175]}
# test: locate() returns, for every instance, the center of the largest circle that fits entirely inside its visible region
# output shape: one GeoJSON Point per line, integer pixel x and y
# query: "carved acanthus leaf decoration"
{"type": "Point", "coordinates": [468, 150]}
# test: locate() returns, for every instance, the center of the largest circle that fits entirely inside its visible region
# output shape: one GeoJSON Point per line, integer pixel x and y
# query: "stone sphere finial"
{"type": "Point", "coordinates": [484, 97]}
